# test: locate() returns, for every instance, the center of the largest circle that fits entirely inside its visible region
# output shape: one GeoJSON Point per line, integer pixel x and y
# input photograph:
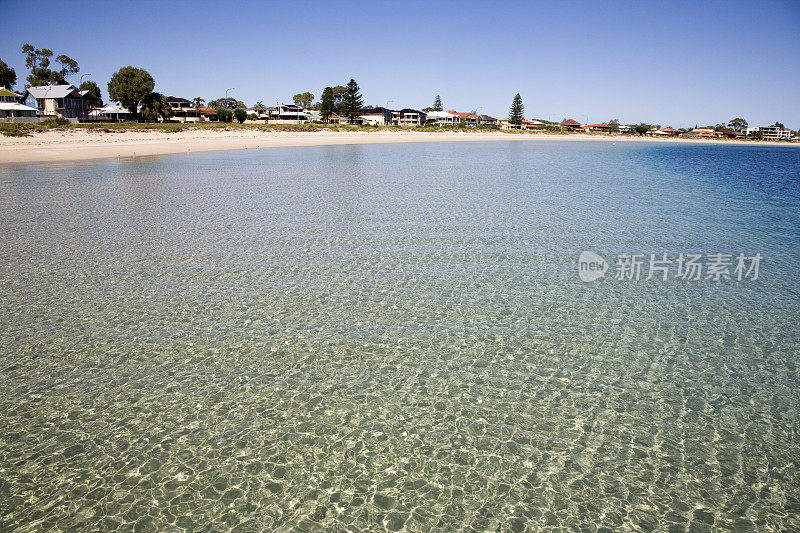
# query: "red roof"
{"type": "Point", "coordinates": [208, 110]}
{"type": "Point", "coordinates": [570, 122]}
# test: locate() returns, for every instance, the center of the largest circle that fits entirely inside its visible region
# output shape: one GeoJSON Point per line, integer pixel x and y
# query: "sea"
{"type": "Point", "coordinates": [465, 336]}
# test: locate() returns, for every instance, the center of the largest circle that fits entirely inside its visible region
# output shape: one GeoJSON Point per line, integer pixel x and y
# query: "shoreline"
{"type": "Point", "coordinates": [77, 145]}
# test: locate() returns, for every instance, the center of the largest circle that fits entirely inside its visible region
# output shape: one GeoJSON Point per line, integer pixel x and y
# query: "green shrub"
{"type": "Point", "coordinates": [54, 123]}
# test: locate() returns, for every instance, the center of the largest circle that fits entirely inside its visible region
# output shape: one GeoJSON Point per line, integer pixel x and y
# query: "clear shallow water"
{"type": "Point", "coordinates": [395, 336]}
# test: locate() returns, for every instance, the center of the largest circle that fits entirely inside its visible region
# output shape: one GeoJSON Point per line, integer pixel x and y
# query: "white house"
{"type": "Point", "coordinates": [375, 116]}
{"type": "Point", "coordinates": [11, 109]}
{"type": "Point", "coordinates": [772, 133]}
{"type": "Point", "coordinates": [111, 112]}
{"type": "Point", "coordinates": [443, 118]}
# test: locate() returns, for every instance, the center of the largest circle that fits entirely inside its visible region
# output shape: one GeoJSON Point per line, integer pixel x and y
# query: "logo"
{"type": "Point", "coordinates": [591, 267]}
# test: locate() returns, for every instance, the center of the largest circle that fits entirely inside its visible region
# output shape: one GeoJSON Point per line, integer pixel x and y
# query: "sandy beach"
{"type": "Point", "coordinates": [73, 145]}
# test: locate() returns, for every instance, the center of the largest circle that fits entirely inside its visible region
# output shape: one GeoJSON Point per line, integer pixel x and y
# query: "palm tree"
{"type": "Point", "coordinates": [198, 102]}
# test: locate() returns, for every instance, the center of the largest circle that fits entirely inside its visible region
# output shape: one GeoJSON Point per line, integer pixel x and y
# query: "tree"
{"type": "Point", "coordinates": [738, 124]}
{"type": "Point", "coordinates": [304, 99]}
{"type": "Point", "coordinates": [94, 92]}
{"type": "Point", "coordinates": [614, 123]}
{"type": "Point", "coordinates": [339, 93]}
{"type": "Point", "coordinates": [779, 125]}
{"type": "Point", "coordinates": [198, 102]}
{"type": "Point", "coordinates": [130, 86]}
{"type": "Point", "coordinates": [326, 105]}
{"type": "Point", "coordinates": [224, 114]}
{"type": "Point", "coordinates": [352, 101]}
{"type": "Point", "coordinates": [226, 103]}
{"type": "Point", "coordinates": [260, 108]}
{"type": "Point", "coordinates": [641, 128]}
{"type": "Point", "coordinates": [39, 63]}
{"type": "Point", "coordinates": [517, 110]}
{"type": "Point", "coordinates": [240, 114]}
{"type": "Point", "coordinates": [7, 76]}
{"type": "Point", "coordinates": [757, 135]}
{"type": "Point", "coordinates": [155, 106]}
{"type": "Point", "coordinates": [437, 103]}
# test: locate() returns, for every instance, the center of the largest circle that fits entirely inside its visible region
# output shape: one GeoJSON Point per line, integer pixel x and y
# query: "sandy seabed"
{"type": "Point", "coordinates": [86, 144]}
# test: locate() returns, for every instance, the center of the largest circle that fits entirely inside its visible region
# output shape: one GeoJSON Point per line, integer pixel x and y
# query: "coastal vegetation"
{"type": "Point", "coordinates": [517, 111]}
{"type": "Point", "coordinates": [38, 61]}
{"type": "Point", "coordinates": [303, 99]}
{"type": "Point", "coordinates": [130, 86]}
{"type": "Point", "coordinates": [8, 77]}
{"type": "Point", "coordinates": [155, 106]}
{"type": "Point", "coordinates": [352, 102]}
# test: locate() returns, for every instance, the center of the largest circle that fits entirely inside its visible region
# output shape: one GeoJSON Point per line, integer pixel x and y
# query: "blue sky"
{"type": "Point", "coordinates": [670, 63]}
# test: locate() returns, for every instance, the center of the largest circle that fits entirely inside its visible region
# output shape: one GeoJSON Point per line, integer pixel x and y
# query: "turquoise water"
{"type": "Point", "coordinates": [395, 337]}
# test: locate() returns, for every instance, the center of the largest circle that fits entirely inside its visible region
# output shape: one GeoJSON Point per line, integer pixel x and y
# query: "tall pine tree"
{"type": "Point", "coordinates": [326, 105]}
{"type": "Point", "coordinates": [517, 110]}
{"type": "Point", "coordinates": [437, 103]}
{"type": "Point", "coordinates": [352, 101]}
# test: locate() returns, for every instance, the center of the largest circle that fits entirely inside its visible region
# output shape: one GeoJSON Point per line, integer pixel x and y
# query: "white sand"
{"type": "Point", "coordinates": [83, 144]}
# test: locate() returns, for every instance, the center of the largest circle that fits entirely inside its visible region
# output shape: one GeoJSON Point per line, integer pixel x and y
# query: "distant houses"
{"type": "Point", "coordinates": [67, 101]}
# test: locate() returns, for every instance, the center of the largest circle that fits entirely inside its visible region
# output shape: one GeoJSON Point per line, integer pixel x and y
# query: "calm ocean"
{"type": "Point", "coordinates": [396, 336]}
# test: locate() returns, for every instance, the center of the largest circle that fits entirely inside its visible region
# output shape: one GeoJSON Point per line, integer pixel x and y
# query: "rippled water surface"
{"type": "Point", "coordinates": [395, 337]}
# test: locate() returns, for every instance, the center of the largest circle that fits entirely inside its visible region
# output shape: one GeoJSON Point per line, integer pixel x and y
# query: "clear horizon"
{"type": "Point", "coordinates": [676, 65]}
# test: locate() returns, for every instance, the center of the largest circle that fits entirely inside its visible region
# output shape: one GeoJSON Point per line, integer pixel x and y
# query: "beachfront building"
{"type": "Point", "coordinates": [772, 133]}
{"type": "Point", "coordinates": [443, 118]}
{"type": "Point", "coordinates": [375, 116]}
{"type": "Point", "coordinates": [408, 117]}
{"type": "Point", "coordinates": [111, 113]}
{"type": "Point", "coordinates": [597, 128]}
{"type": "Point", "coordinates": [287, 114]}
{"type": "Point", "coordinates": [11, 109]}
{"type": "Point", "coordinates": [569, 124]}
{"type": "Point", "coordinates": [59, 101]}
{"type": "Point", "coordinates": [702, 133]}
{"type": "Point", "coordinates": [208, 114]}
{"type": "Point", "coordinates": [335, 118]}
{"type": "Point", "coordinates": [182, 110]}
{"type": "Point", "coordinates": [472, 120]}
{"type": "Point", "coordinates": [526, 125]}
